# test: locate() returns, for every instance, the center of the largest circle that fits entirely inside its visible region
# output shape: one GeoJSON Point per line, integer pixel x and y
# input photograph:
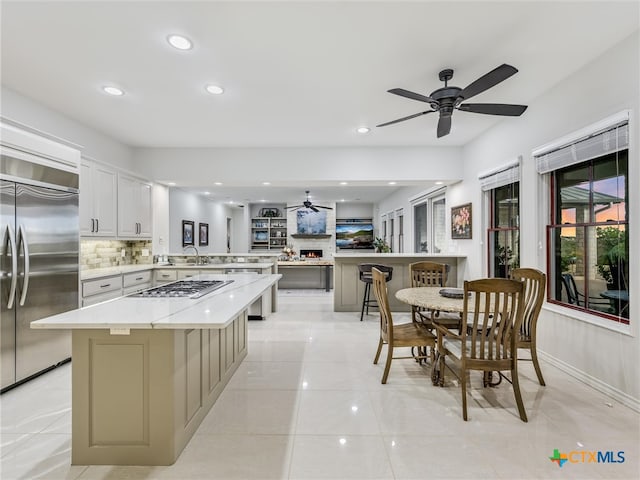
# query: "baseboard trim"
{"type": "Point", "coordinates": [619, 396]}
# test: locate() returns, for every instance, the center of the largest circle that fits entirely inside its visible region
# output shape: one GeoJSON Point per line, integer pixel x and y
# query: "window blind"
{"type": "Point", "coordinates": [500, 178]}
{"type": "Point", "coordinates": [611, 140]}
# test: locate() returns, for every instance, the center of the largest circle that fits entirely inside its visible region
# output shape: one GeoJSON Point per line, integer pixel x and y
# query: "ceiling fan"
{"type": "Point", "coordinates": [308, 204]}
{"type": "Point", "coordinates": [447, 99]}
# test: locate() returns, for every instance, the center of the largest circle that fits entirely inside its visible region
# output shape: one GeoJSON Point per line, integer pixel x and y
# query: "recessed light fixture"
{"type": "Point", "coordinates": [214, 89]}
{"type": "Point", "coordinates": [179, 41]}
{"type": "Point", "coordinates": [111, 90]}
{"type": "Point", "coordinates": [266, 183]}
{"type": "Point", "coordinates": [263, 201]}
{"type": "Point", "coordinates": [342, 199]}
{"type": "Point", "coordinates": [344, 183]}
{"type": "Point", "coordinates": [217, 183]}
{"type": "Point", "coordinates": [363, 130]}
{"type": "Point", "coordinates": [392, 183]}
{"type": "Point", "coordinates": [171, 184]}
{"type": "Point", "coordinates": [439, 183]}
{"type": "Point", "coordinates": [207, 193]}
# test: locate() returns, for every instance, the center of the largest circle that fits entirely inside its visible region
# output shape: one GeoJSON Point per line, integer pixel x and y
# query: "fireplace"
{"type": "Point", "coordinates": [310, 253]}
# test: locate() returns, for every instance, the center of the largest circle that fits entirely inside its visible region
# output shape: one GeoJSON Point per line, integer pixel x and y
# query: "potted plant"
{"type": "Point", "coordinates": [504, 255]}
{"type": "Point", "coordinates": [612, 260]}
{"type": "Point", "coordinates": [381, 246]}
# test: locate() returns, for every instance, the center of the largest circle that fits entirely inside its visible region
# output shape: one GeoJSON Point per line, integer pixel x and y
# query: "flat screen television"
{"type": "Point", "coordinates": [354, 236]}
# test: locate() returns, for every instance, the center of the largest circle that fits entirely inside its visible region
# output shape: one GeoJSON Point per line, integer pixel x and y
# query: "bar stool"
{"type": "Point", "coordinates": [367, 278]}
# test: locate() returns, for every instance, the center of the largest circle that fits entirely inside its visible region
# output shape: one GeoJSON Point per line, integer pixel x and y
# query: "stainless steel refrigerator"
{"type": "Point", "coordinates": [39, 257]}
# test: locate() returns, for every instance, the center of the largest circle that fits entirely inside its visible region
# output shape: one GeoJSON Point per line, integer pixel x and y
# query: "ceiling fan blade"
{"type": "Point", "coordinates": [320, 206]}
{"type": "Point", "coordinates": [404, 118]}
{"type": "Point", "coordinates": [444, 125]}
{"type": "Point", "coordinates": [412, 95]}
{"type": "Point", "coordinates": [488, 80]}
{"type": "Point", "coordinates": [494, 109]}
{"type": "Point", "coordinates": [294, 206]}
{"type": "Point", "coordinates": [313, 208]}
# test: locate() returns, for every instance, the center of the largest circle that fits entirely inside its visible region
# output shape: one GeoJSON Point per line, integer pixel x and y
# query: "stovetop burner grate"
{"type": "Point", "coordinates": [183, 289]}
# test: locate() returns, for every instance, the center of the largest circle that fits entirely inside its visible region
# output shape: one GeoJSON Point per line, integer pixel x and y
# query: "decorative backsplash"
{"type": "Point", "coordinates": [108, 253]}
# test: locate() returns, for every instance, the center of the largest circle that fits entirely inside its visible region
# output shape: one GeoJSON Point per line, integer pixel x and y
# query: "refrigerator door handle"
{"type": "Point", "coordinates": [10, 240]}
{"type": "Point", "coordinates": [25, 244]}
{"type": "Point", "coordinates": [93, 225]}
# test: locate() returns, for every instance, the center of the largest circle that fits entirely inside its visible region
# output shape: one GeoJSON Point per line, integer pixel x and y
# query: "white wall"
{"type": "Point", "coordinates": [189, 206]}
{"type": "Point", "coordinates": [94, 144]}
{"type": "Point", "coordinates": [354, 210]}
{"type": "Point", "coordinates": [245, 166]}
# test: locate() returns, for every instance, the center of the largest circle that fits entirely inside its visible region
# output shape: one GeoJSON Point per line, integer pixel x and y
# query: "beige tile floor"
{"type": "Point", "coordinates": [307, 403]}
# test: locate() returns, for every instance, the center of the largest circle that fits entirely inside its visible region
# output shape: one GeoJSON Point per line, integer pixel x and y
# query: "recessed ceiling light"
{"type": "Point", "coordinates": [171, 184]}
{"type": "Point", "coordinates": [214, 89]}
{"type": "Point", "coordinates": [439, 183]}
{"type": "Point", "coordinates": [180, 42]}
{"type": "Point", "coordinates": [392, 183]}
{"type": "Point", "coordinates": [217, 183]}
{"type": "Point", "coordinates": [111, 90]}
{"type": "Point", "coordinates": [344, 183]}
{"type": "Point", "coordinates": [266, 183]}
{"type": "Point", "coordinates": [342, 199]}
{"type": "Point", "coordinates": [207, 193]}
{"type": "Point", "coordinates": [363, 130]}
{"type": "Point", "coordinates": [263, 201]}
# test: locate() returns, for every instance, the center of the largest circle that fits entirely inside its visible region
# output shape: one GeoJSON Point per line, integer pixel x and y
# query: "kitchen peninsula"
{"type": "Point", "coordinates": [146, 371]}
{"type": "Point", "coordinates": [349, 290]}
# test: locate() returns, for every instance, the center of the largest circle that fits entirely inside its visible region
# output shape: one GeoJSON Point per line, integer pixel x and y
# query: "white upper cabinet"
{"type": "Point", "coordinates": [134, 207]}
{"type": "Point", "coordinates": [98, 194]}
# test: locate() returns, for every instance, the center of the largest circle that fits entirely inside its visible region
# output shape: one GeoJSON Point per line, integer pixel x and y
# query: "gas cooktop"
{"type": "Point", "coordinates": [183, 288]}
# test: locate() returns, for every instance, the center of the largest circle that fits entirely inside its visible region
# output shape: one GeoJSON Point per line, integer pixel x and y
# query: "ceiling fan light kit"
{"type": "Point", "coordinates": [446, 99]}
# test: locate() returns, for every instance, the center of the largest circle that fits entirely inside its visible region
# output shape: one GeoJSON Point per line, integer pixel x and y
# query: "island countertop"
{"type": "Point", "coordinates": [215, 310]}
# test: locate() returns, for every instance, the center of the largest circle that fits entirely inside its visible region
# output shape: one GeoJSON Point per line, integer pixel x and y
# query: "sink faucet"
{"type": "Point", "coordinates": [197, 254]}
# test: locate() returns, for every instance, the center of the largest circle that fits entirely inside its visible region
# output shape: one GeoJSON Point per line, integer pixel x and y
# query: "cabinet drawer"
{"type": "Point", "coordinates": [99, 298]}
{"type": "Point", "coordinates": [166, 275]}
{"type": "Point", "coordinates": [101, 285]}
{"type": "Point", "coordinates": [135, 288]}
{"type": "Point", "coordinates": [136, 278]}
{"type": "Point", "coordinates": [182, 274]}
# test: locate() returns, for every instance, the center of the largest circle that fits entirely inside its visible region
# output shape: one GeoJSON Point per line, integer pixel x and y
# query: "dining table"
{"type": "Point", "coordinates": [436, 300]}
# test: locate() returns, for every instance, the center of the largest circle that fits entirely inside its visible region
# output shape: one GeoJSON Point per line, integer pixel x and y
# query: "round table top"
{"type": "Point", "coordinates": [429, 297]}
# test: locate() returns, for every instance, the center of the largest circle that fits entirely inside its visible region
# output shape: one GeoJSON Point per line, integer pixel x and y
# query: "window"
{"type": "Point", "coordinates": [400, 216]}
{"type": "Point", "coordinates": [504, 230]}
{"type": "Point", "coordinates": [391, 232]}
{"type": "Point", "coordinates": [588, 233]}
{"type": "Point", "coordinates": [502, 187]}
{"type": "Point", "coordinates": [429, 219]}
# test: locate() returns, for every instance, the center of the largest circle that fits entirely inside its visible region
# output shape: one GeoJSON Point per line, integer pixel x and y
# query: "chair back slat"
{"type": "Point", "coordinates": [381, 294]}
{"type": "Point", "coordinates": [535, 283]}
{"type": "Point", "coordinates": [493, 312]}
{"type": "Point", "coordinates": [428, 274]}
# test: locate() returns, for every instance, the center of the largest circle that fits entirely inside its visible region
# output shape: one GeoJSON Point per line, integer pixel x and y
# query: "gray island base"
{"type": "Point", "coordinates": [146, 372]}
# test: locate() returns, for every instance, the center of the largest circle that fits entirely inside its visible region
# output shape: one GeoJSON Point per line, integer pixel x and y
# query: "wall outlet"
{"type": "Point", "coordinates": [123, 253]}
{"type": "Point", "coordinates": [145, 252]}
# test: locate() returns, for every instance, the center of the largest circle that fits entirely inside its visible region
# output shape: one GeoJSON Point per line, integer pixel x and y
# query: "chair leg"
{"type": "Point", "coordinates": [387, 365]}
{"type": "Point", "coordinates": [375, 360]}
{"type": "Point", "coordinates": [516, 391]}
{"type": "Point", "coordinates": [441, 368]}
{"type": "Point", "coordinates": [463, 379]}
{"type": "Point", "coordinates": [364, 300]}
{"type": "Point", "coordinates": [536, 365]}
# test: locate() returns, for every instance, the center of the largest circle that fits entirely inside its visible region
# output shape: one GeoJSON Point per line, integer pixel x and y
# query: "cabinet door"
{"type": "Point", "coordinates": [144, 210]}
{"type": "Point", "coordinates": [104, 189]}
{"type": "Point", "coordinates": [127, 210]}
{"type": "Point", "coordinates": [87, 220]}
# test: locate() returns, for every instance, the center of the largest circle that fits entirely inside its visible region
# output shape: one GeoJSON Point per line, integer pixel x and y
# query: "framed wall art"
{"type": "Point", "coordinates": [187, 233]}
{"type": "Point", "coordinates": [461, 222]}
{"type": "Point", "coordinates": [203, 234]}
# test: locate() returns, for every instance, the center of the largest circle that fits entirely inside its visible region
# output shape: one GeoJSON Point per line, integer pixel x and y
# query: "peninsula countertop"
{"type": "Point", "coordinates": [215, 310]}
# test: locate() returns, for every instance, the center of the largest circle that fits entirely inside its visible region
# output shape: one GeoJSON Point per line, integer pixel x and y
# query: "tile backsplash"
{"type": "Point", "coordinates": [108, 253]}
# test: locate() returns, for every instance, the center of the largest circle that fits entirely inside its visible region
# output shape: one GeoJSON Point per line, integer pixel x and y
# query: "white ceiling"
{"type": "Point", "coordinates": [302, 74]}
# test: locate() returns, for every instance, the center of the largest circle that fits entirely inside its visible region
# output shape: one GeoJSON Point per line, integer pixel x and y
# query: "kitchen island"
{"type": "Point", "coordinates": [349, 290]}
{"type": "Point", "coordinates": [146, 371]}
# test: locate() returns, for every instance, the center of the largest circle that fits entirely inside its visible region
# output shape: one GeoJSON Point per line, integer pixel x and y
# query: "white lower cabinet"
{"type": "Point", "coordinates": [101, 289]}
{"type": "Point", "coordinates": [136, 281]}
{"type": "Point", "coordinates": [165, 276]}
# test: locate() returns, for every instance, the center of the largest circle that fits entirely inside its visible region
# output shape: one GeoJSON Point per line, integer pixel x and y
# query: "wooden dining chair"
{"type": "Point", "coordinates": [494, 314]}
{"type": "Point", "coordinates": [396, 335]}
{"type": "Point", "coordinates": [535, 284]}
{"type": "Point", "coordinates": [430, 274]}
